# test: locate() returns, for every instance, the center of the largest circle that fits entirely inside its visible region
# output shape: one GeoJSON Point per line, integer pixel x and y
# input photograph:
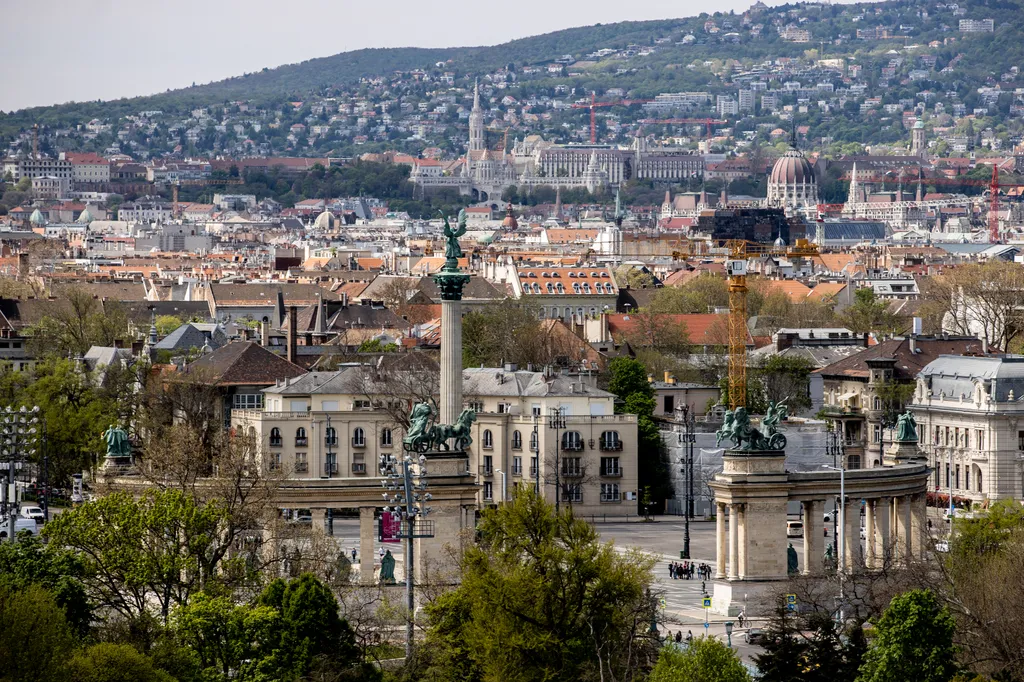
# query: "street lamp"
{"type": "Point", "coordinates": [687, 439]}
{"type": "Point", "coordinates": [18, 438]}
{"type": "Point", "coordinates": [836, 450]}
{"type": "Point", "coordinates": [728, 632]}
{"type": "Point", "coordinates": [840, 556]}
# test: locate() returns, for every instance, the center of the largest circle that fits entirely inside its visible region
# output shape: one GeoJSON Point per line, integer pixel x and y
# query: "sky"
{"type": "Point", "coordinates": [80, 50]}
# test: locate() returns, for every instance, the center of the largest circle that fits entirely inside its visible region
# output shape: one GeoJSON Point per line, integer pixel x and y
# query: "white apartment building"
{"type": "Point", "coordinates": [977, 25]}
{"type": "Point", "coordinates": [38, 167]}
{"type": "Point", "coordinates": [970, 422]}
{"type": "Point", "coordinates": [87, 168]}
{"type": "Point", "coordinates": [337, 424]}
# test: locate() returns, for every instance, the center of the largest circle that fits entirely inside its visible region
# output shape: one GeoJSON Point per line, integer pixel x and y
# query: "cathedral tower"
{"type": "Point", "coordinates": [476, 122]}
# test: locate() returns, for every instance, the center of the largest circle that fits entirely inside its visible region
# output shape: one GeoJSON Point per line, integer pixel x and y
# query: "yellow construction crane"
{"type": "Point", "coordinates": [736, 268]}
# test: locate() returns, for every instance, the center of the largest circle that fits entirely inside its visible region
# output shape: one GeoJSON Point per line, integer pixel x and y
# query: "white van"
{"type": "Point", "coordinates": [794, 529]}
{"type": "Point", "coordinates": [20, 524]}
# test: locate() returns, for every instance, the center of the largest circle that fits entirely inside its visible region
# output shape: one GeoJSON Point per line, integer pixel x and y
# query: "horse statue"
{"type": "Point", "coordinates": [461, 429]}
{"type": "Point", "coordinates": [418, 436]}
{"type": "Point", "coordinates": [726, 430]}
{"type": "Point", "coordinates": [777, 412]}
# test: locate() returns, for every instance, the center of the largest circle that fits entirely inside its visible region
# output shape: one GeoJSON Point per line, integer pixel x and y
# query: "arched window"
{"type": "Point", "coordinates": [610, 440]}
{"type": "Point", "coordinates": [385, 437]}
{"type": "Point", "coordinates": [275, 437]}
{"type": "Point", "coordinates": [533, 442]}
{"type": "Point", "coordinates": [571, 441]}
{"type": "Point", "coordinates": [330, 436]}
{"type": "Point", "coordinates": [358, 438]}
{"type": "Point", "coordinates": [488, 439]}
{"type": "Point", "coordinates": [517, 440]}
{"type": "Point", "coordinates": [300, 437]}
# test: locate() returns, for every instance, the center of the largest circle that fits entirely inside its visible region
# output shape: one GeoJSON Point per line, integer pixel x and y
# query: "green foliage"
{"type": "Point", "coordinates": [633, 277]}
{"type": "Point", "coordinates": [165, 324]}
{"type": "Point", "coordinates": [542, 598]}
{"type": "Point", "coordinates": [913, 640]}
{"type": "Point", "coordinates": [784, 648]}
{"type": "Point", "coordinates": [990, 532]}
{"type": "Point", "coordinates": [701, 294]}
{"type": "Point", "coordinates": [376, 346]}
{"type": "Point", "coordinates": [30, 562]}
{"type": "Point", "coordinates": [783, 378]}
{"type": "Point", "coordinates": [34, 636]}
{"type": "Point", "coordinates": [628, 376]}
{"type": "Point", "coordinates": [502, 333]}
{"type": "Point", "coordinates": [226, 637]}
{"type": "Point", "coordinates": [869, 314]}
{"type": "Point", "coordinates": [705, 659]}
{"type": "Point", "coordinates": [628, 381]}
{"type": "Point", "coordinates": [78, 323]}
{"type": "Point", "coordinates": [114, 663]}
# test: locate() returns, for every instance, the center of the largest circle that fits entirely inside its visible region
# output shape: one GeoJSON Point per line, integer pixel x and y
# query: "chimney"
{"type": "Point", "coordinates": [667, 375]}
{"type": "Point", "coordinates": [265, 334]}
{"type": "Point", "coordinates": [292, 334]}
{"type": "Point", "coordinates": [671, 379]}
{"type": "Point", "coordinates": [650, 378]}
{"type": "Point", "coordinates": [984, 344]}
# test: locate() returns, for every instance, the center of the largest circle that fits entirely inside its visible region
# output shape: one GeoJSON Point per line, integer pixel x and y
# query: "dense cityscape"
{"type": "Point", "coordinates": [677, 350]}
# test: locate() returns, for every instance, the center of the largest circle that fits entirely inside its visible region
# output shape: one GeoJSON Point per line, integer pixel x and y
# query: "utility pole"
{"type": "Point", "coordinates": [687, 439]}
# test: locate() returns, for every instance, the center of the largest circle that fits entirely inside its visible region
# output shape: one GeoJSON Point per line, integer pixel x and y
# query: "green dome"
{"type": "Point", "coordinates": [85, 217]}
{"type": "Point", "coordinates": [37, 218]}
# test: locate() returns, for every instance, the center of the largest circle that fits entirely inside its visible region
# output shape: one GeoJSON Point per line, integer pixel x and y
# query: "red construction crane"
{"type": "Point", "coordinates": [593, 104]}
{"type": "Point", "coordinates": [707, 122]}
{"type": "Point", "coordinates": [993, 190]}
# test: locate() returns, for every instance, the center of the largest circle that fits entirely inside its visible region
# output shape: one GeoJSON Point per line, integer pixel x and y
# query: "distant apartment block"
{"type": "Point", "coordinates": [977, 25]}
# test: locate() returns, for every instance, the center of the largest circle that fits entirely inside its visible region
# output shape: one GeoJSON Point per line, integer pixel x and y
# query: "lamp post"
{"type": "Point", "coordinates": [406, 479]}
{"type": "Point", "coordinates": [728, 632]}
{"type": "Point", "coordinates": [687, 439]}
{"type": "Point", "coordinates": [535, 448]}
{"type": "Point", "coordinates": [840, 557]}
{"type": "Point", "coordinates": [556, 421]}
{"type": "Point", "coordinates": [18, 438]}
{"type": "Point", "coordinates": [836, 450]}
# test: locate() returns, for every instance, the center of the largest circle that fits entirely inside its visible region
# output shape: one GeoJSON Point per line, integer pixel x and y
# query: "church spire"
{"type": "Point", "coordinates": [476, 122]}
{"type": "Point", "coordinates": [476, 95]}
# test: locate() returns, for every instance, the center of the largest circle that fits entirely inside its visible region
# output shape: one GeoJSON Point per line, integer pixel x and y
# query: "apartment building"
{"type": "Point", "coordinates": [531, 428]}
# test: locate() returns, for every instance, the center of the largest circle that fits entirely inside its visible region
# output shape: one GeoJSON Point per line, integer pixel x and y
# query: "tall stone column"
{"type": "Point", "coordinates": [450, 281]}
{"type": "Point", "coordinates": [919, 530]}
{"type": "Point", "coordinates": [906, 527]}
{"type": "Point", "coordinates": [883, 536]}
{"type": "Point", "coordinates": [869, 531]}
{"type": "Point", "coordinates": [733, 541]}
{"type": "Point", "coordinates": [720, 543]}
{"type": "Point", "coordinates": [366, 537]}
{"type": "Point", "coordinates": [812, 538]}
{"type": "Point", "coordinates": [852, 536]}
{"type": "Point", "coordinates": [741, 541]}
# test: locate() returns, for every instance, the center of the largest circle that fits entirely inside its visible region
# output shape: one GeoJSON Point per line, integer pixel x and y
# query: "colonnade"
{"type": "Point", "coordinates": [894, 527]}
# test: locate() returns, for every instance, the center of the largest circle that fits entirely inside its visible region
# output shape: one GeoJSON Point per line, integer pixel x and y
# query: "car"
{"type": "Point", "coordinates": [753, 636]}
{"type": "Point", "coordinates": [34, 513]}
{"type": "Point", "coordinates": [863, 533]}
{"type": "Point", "coordinates": [794, 529]}
{"type": "Point", "coordinates": [942, 546]}
{"type": "Point", "coordinates": [20, 524]}
{"type": "Point", "coordinates": [304, 516]}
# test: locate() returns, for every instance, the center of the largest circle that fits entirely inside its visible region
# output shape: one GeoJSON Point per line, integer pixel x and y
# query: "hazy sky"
{"type": "Point", "coordinates": [73, 50]}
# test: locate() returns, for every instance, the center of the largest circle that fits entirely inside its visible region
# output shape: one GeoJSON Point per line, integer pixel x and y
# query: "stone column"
{"type": "Point", "coordinates": [906, 527]}
{"type": "Point", "coordinates": [741, 541]}
{"type": "Point", "coordinates": [366, 545]}
{"type": "Point", "coordinates": [812, 538]}
{"type": "Point", "coordinates": [319, 518]}
{"type": "Point", "coordinates": [919, 527]}
{"type": "Point", "coordinates": [883, 535]}
{"type": "Point", "coordinates": [733, 541]}
{"type": "Point", "coordinates": [720, 545]}
{"type": "Point", "coordinates": [852, 535]}
{"type": "Point", "coordinates": [869, 528]}
{"type": "Point", "coordinates": [451, 361]}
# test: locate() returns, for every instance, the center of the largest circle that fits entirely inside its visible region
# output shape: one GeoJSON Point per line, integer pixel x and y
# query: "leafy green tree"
{"type": "Point", "coordinates": [165, 324]}
{"type": "Point", "coordinates": [830, 657]}
{"type": "Point", "coordinates": [784, 649]}
{"type": "Point", "coordinates": [701, 294]}
{"type": "Point", "coordinates": [229, 639]}
{"type": "Point", "coordinates": [542, 598]}
{"type": "Point", "coordinates": [107, 662]}
{"type": "Point", "coordinates": [628, 376]}
{"type": "Point", "coordinates": [913, 640]}
{"type": "Point", "coordinates": [705, 660]}
{"type": "Point", "coordinates": [783, 378]}
{"type": "Point", "coordinates": [34, 636]}
{"type": "Point", "coordinates": [30, 562]}
{"type": "Point", "coordinates": [629, 381]}
{"type": "Point", "coordinates": [503, 333]}
{"type": "Point", "coordinates": [869, 314]}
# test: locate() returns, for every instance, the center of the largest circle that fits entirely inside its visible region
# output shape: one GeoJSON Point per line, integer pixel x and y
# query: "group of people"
{"type": "Point", "coordinates": [688, 569]}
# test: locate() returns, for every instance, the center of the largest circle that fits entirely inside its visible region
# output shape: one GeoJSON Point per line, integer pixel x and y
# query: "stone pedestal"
{"type": "Point", "coordinates": [447, 519]}
{"type": "Point", "coordinates": [367, 533]}
{"type": "Point", "coordinates": [906, 452]}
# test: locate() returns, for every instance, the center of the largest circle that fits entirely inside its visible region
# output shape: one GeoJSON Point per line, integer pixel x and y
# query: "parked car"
{"type": "Point", "coordinates": [753, 636]}
{"type": "Point", "coordinates": [34, 513]}
{"type": "Point", "coordinates": [794, 529]}
{"type": "Point", "coordinates": [20, 525]}
{"type": "Point", "coordinates": [942, 546]}
{"type": "Point", "coordinates": [304, 516]}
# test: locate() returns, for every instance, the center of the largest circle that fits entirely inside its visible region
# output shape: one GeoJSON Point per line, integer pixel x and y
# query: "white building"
{"type": "Point", "coordinates": [88, 168]}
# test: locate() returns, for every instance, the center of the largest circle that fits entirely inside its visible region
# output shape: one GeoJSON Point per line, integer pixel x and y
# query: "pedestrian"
{"type": "Point", "coordinates": [353, 555]}
{"type": "Point", "coordinates": [703, 587]}
{"type": "Point", "coordinates": [740, 619]}
{"type": "Point", "coordinates": [671, 570]}
{"type": "Point", "coordinates": [679, 637]}
{"type": "Point", "coordinates": [689, 636]}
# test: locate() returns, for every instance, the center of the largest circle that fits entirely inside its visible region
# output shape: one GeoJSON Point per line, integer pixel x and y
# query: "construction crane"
{"type": "Point", "coordinates": [205, 181]}
{"type": "Point", "coordinates": [593, 104]}
{"type": "Point", "coordinates": [736, 268]}
{"type": "Point", "coordinates": [706, 122]}
{"type": "Point", "coordinates": [993, 185]}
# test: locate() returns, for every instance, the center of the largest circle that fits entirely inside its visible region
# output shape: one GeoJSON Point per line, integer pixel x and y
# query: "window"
{"type": "Point", "coordinates": [475, 405]}
{"type": "Point", "coordinates": [853, 461]}
{"type": "Point", "coordinates": [535, 410]}
{"type": "Point", "coordinates": [275, 437]}
{"type": "Point", "coordinates": [275, 461]}
{"type": "Point", "coordinates": [967, 478]}
{"type": "Point", "coordinates": [504, 408]}
{"type": "Point", "coordinates": [385, 437]}
{"type": "Point", "coordinates": [533, 442]}
{"type": "Point", "coordinates": [956, 480]}
{"type": "Point", "coordinates": [301, 465]}
{"type": "Point", "coordinates": [878, 403]}
{"type": "Point", "coordinates": [488, 490]}
{"type": "Point", "coordinates": [488, 439]}
{"type": "Point", "coordinates": [1020, 440]}
{"type": "Point", "coordinates": [947, 474]}
{"type": "Point", "coordinates": [610, 466]}
{"type": "Point", "coordinates": [517, 440]}
{"type": "Point", "coordinates": [571, 466]}
{"type": "Point", "coordinates": [362, 405]}
{"type": "Point", "coordinates": [610, 440]}
{"type": "Point", "coordinates": [358, 438]}
{"type": "Point", "coordinates": [978, 479]}
{"type": "Point", "coordinates": [876, 433]}
{"type": "Point", "coordinates": [517, 466]}
{"type": "Point", "coordinates": [979, 439]}
{"type": "Point", "coordinates": [488, 465]}
{"type": "Point", "coordinates": [610, 492]}
{"type": "Point", "coordinates": [300, 437]}
{"type": "Point", "coordinates": [670, 404]}
{"type": "Point", "coordinates": [330, 436]}
{"type": "Point", "coordinates": [247, 401]}
{"type": "Point", "coordinates": [533, 467]}
{"type": "Point", "coordinates": [572, 492]}
{"type": "Point", "coordinates": [331, 464]}
{"type": "Point", "coordinates": [571, 441]}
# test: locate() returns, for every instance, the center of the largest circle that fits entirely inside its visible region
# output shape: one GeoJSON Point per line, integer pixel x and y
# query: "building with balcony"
{"type": "Point", "coordinates": [531, 428]}
{"type": "Point", "coordinates": [970, 427]}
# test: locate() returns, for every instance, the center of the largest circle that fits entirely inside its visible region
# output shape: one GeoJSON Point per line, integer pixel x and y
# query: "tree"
{"type": "Point", "coordinates": [657, 331]}
{"type": "Point", "coordinates": [30, 562]}
{"type": "Point", "coordinates": [701, 294]}
{"type": "Point", "coordinates": [913, 640]}
{"type": "Point", "coordinates": [785, 378]}
{"type": "Point", "coordinates": [979, 299]}
{"type": "Point", "coordinates": [705, 659]}
{"type": "Point", "coordinates": [869, 314]}
{"type": "Point", "coordinates": [628, 376]}
{"type": "Point", "coordinates": [542, 598]}
{"type": "Point", "coordinates": [784, 648]}
{"type": "Point", "coordinates": [228, 639]}
{"type": "Point", "coordinates": [107, 662]}
{"type": "Point", "coordinates": [632, 277]}
{"type": "Point", "coordinates": [165, 324]}
{"type": "Point", "coordinates": [629, 382]}
{"type": "Point", "coordinates": [34, 636]}
{"type": "Point", "coordinates": [503, 333]}
{"type": "Point", "coordinates": [77, 322]}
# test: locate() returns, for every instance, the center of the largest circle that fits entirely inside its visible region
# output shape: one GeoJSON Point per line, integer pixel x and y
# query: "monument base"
{"type": "Point", "coordinates": [906, 452]}
{"type": "Point", "coordinates": [753, 597]}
